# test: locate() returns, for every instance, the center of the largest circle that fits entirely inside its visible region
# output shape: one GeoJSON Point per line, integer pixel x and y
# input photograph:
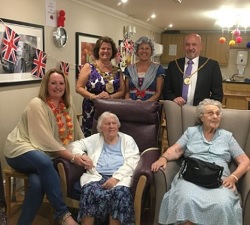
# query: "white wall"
{"type": "Point", "coordinates": [81, 16]}
{"type": "Point", "coordinates": [229, 70]}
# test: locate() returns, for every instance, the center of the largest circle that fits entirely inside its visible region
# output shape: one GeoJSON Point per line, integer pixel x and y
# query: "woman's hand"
{"type": "Point", "coordinates": [83, 160]}
{"type": "Point", "coordinates": [104, 95]}
{"type": "Point", "coordinates": [229, 182]}
{"type": "Point", "coordinates": [110, 183]}
{"type": "Point", "coordinates": [161, 162]}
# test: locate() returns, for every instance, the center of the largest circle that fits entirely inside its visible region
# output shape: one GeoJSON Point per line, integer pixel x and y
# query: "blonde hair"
{"type": "Point", "coordinates": [43, 91]}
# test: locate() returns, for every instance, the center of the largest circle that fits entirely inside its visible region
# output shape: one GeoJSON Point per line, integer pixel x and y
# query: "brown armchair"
{"type": "Point", "coordinates": [178, 119]}
{"type": "Point", "coordinates": [139, 119]}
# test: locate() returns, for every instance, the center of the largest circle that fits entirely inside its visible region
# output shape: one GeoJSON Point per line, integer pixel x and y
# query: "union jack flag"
{"type": "Point", "coordinates": [39, 63]}
{"type": "Point", "coordinates": [119, 55]}
{"type": "Point", "coordinates": [79, 67]}
{"type": "Point", "coordinates": [128, 45]}
{"type": "Point", "coordinates": [64, 67]}
{"type": "Point", "coordinates": [9, 45]}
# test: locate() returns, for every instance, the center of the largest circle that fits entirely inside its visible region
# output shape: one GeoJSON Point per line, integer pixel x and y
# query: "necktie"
{"type": "Point", "coordinates": [186, 79]}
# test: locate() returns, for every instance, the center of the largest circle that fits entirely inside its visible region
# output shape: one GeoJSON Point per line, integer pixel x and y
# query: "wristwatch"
{"type": "Point", "coordinates": [60, 37]}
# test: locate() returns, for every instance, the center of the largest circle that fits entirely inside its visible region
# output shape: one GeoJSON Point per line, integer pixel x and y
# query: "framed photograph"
{"type": "Point", "coordinates": [31, 38]}
{"type": "Point", "coordinates": [84, 50]}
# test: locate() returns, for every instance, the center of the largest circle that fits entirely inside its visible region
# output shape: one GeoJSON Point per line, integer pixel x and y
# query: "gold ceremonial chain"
{"type": "Point", "coordinates": [109, 76]}
{"type": "Point", "coordinates": [187, 80]}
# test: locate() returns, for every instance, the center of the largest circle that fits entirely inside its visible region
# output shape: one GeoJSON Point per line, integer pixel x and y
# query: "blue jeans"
{"type": "Point", "coordinates": [43, 179]}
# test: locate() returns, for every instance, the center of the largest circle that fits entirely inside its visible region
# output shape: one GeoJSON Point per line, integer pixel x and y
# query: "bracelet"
{"type": "Point", "coordinates": [91, 96]}
{"type": "Point", "coordinates": [162, 156]}
{"type": "Point", "coordinates": [73, 159]}
{"type": "Point", "coordinates": [236, 178]}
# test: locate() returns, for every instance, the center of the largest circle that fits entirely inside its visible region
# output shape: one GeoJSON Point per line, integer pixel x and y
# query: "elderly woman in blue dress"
{"type": "Point", "coordinates": [187, 203]}
{"type": "Point", "coordinates": [105, 187]}
{"type": "Point", "coordinates": [144, 79]}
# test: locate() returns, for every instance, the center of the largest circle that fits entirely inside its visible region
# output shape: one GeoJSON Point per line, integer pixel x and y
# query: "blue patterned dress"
{"type": "Point", "coordinates": [143, 88]}
{"type": "Point", "coordinates": [97, 83]}
{"type": "Point", "coordinates": [187, 201]}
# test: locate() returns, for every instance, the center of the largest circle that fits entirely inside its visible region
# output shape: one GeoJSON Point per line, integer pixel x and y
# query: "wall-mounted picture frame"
{"type": "Point", "coordinates": [31, 38]}
{"type": "Point", "coordinates": [84, 49]}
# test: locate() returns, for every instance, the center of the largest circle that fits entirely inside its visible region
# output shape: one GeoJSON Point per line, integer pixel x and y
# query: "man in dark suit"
{"type": "Point", "coordinates": [205, 80]}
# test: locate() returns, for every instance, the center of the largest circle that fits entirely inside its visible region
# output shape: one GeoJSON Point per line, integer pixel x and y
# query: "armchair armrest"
{"type": "Point", "coordinates": [162, 182]}
{"type": "Point", "coordinates": [143, 168]}
{"type": "Point", "coordinates": [142, 178]}
{"type": "Point", "coordinates": [244, 189]}
{"type": "Point", "coordinates": [69, 173]}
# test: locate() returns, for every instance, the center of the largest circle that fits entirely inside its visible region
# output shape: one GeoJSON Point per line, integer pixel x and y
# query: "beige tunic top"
{"type": "Point", "coordinates": [38, 130]}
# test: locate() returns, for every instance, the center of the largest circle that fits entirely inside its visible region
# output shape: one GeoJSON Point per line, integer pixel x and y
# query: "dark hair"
{"type": "Point", "coordinates": [43, 91]}
{"type": "Point", "coordinates": [98, 45]}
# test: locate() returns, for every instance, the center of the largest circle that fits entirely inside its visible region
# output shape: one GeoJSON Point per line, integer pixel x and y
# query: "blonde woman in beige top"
{"type": "Point", "coordinates": [47, 126]}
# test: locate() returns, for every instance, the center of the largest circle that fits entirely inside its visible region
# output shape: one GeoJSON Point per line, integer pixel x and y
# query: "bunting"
{"type": "Point", "coordinates": [9, 45]}
{"type": "Point", "coordinates": [79, 67]}
{"type": "Point", "coordinates": [64, 67]}
{"type": "Point", "coordinates": [39, 63]}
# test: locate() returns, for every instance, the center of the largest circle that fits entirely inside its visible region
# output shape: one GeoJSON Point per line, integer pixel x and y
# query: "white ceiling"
{"type": "Point", "coordinates": [188, 15]}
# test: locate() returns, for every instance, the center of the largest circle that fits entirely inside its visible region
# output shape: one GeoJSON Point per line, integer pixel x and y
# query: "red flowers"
{"type": "Point", "coordinates": [65, 125]}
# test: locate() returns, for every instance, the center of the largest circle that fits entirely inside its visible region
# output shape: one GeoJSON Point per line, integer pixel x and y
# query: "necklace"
{"type": "Point", "coordinates": [105, 65]}
{"type": "Point", "coordinates": [65, 125]}
{"type": "Point", "coordinates": [108, 77]}
{"type": "Point", "coordinates": [187, 79]}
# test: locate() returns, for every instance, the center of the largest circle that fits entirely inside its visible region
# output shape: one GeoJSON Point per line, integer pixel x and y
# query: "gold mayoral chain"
{"type": "Point", "coordinates": [187, 80]}
{"type": "Point", "coordinates": [109, 76]}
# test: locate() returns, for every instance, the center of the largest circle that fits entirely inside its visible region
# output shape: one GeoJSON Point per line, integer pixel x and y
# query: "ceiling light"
{"type": "Point", "coordinates": [153, 16]}
{"type": "Point", "coordinates": [121, 2]}
{"type": "Point", "coordinates": [177, 1]}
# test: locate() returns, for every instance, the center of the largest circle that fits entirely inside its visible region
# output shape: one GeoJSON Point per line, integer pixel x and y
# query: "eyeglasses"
{"type": "Point", "coordinates": [210, 113]}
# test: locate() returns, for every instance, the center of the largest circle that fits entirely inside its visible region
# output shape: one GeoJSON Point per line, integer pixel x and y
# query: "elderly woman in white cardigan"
{"type": "Point", "coordinates": [105, 188]}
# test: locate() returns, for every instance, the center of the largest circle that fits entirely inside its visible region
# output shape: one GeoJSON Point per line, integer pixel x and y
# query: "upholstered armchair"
{"type": "Point", "coordinates": [178, 119]}
{"type": "Point", "coordinates": [139, 119]}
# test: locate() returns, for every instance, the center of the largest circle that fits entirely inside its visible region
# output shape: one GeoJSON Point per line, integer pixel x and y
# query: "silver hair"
{"type": "Point", "coordinates": [103, 116]}
{"type": "Point", "coordinates": [146, 40]}
{"type": "Point", "coordinates": [201, 107]}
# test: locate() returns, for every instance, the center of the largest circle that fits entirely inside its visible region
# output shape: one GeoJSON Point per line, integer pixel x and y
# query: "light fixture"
{"type": "Point", "coordinates": [232, 20]}
{"type": "Point", "coordinates": [153, 16]}
{"type": "Point", "coordinates": [122, 2]}
{"type": "Point", "coordinates": [130, 31]}
{"type": "Point", "coordinates": [177, 1]}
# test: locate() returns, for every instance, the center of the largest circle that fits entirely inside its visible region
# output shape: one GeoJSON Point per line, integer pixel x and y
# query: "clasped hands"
{"type": "Point", "coordinates": [103, 94]}
{"type": "Point", "coordinates": [83, 160]}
